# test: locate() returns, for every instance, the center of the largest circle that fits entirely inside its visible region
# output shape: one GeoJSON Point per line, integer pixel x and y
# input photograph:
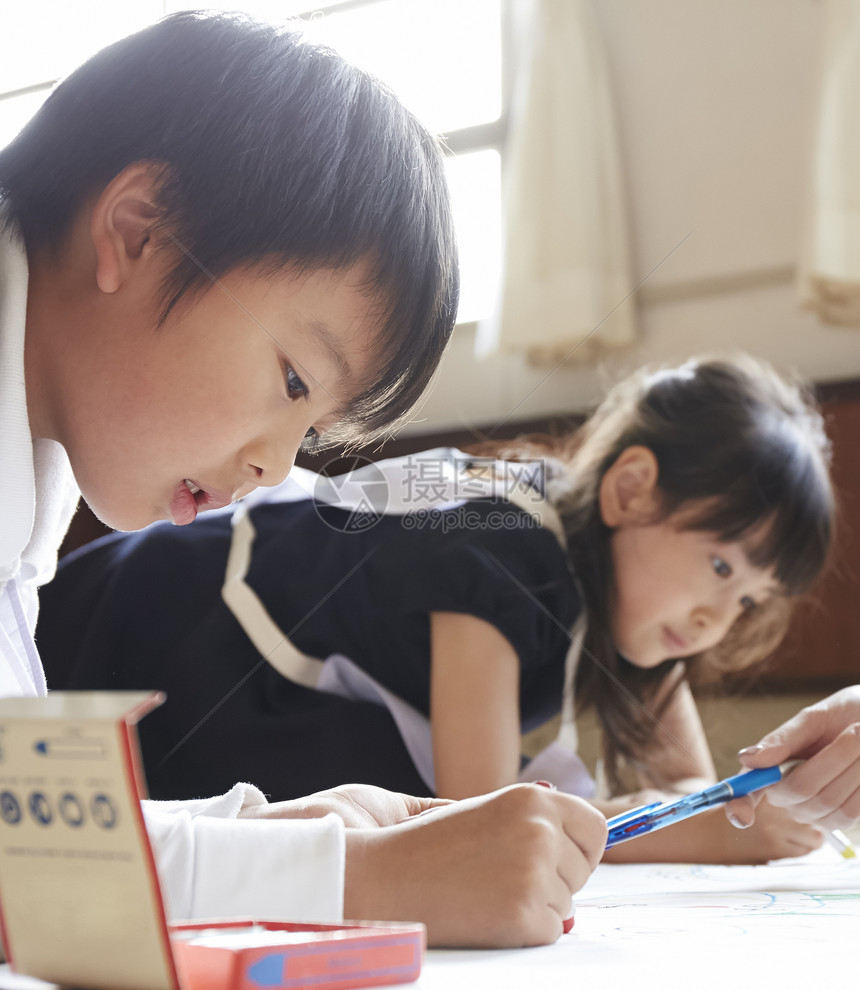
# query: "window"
{"type": "Point", "coordinates": [444, 58]}
{"type": "Point", "coordinates": [46, 39]}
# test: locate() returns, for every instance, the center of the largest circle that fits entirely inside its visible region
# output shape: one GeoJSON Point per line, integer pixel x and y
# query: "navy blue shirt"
{"type": "Point", "coordinates": [144, 610]}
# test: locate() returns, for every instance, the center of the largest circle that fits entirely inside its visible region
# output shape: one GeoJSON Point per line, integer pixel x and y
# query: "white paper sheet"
{"type": "Point", "coordinates": [791, 924]}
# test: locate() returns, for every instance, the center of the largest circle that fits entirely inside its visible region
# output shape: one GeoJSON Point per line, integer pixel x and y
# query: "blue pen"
{"type": "Point", "coordinates": [651, 817]}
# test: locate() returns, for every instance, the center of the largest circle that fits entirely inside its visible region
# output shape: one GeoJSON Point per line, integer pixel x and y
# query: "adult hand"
{"type": "Point", "coordinates": [825, 789]}
{"type": "Point", "coordinates": [497, 870]}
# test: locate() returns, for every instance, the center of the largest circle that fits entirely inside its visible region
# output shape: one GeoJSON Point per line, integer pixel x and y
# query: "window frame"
{"type": "Point", "coordinates": [489, 135]}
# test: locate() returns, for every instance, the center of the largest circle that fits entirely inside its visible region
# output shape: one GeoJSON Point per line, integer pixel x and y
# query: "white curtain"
{"type": "Point", "coordinates": [830, 271]}
{"type": "Point", "coordinates": [566, 292]}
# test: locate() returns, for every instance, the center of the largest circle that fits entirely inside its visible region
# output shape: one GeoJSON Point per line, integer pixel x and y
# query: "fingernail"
{"type": "Point", "coordinates": [734, 820]}
{"type": "Point", "coordinates": [545, 783]}
{"type": "Point", "coordinates": [750, 750]}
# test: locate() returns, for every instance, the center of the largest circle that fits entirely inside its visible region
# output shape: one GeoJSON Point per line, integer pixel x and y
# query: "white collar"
{"type": "Point", "coordinates": [18, 490]}
{"type": "Point", "coordinates": [28, 538]}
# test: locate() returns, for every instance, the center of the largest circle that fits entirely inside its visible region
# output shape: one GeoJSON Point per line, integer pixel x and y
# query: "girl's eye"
{"type": "Point", "coordinates": [747, 603]}
{"type": "Point", "coordinates": [721, 568]}
{"type": "Point", "coordinates": [296, 388]}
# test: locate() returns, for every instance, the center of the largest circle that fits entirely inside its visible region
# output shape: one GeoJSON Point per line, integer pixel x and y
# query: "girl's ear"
{"type": "Point", "coordinates": [121, 224]}
{"type": "Point", "coordinates": [629, 494]}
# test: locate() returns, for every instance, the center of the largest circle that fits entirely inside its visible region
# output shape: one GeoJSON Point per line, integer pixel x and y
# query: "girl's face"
{"type": "Point", "coordinates": [678, 591]}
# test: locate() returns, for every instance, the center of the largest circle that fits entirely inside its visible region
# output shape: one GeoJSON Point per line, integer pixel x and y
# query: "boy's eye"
{"type": "Point", "coordinates": [311, 441]}
{"type": "Point", "coordinates": [721, 568]}
{"type": "Point", "coordinates": [296, 388]}
{"type": "Point", "coordinates": [747, 603]}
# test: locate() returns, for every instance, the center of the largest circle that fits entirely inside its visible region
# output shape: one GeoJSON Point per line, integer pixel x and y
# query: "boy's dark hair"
{"type": "Point", "coordinates": [275, 152]}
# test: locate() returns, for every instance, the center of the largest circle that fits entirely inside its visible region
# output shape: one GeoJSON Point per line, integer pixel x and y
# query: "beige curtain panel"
{"type": "Point", "coordinates": [830, 272]}
{"type": "Point", "coordinates": [566, 292]}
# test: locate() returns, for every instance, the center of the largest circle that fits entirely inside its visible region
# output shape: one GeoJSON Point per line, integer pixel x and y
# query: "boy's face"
{"type": "Point", "coordinates": [162, 423]}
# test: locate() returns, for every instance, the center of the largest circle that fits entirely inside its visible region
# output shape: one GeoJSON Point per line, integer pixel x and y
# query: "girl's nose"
{"type": "Point", "coordinates": [702, 619]}
{"type": "Point", "coordinates": [712, 617]}
{"type": "Point", "coordinates": [703, 633]}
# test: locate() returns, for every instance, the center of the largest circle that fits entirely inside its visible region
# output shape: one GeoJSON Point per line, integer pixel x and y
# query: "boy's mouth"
{"type": "Point", "coordinates": [189, 499]}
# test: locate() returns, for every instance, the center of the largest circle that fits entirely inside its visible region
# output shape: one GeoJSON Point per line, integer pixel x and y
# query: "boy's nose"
{"type": "Point", "coordinates": [271, 457]}
{"type": "Point", "coordinates": [275, 468]}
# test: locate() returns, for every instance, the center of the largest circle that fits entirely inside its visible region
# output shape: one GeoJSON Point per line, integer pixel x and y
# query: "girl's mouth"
{"type": "Point", "coordinates": [673, 641]}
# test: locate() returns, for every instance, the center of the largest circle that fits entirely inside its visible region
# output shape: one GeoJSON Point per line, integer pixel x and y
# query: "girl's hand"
{"type": "Point", "coordinates": [775, 835]}
{"type": "Point", "coordinates": [825, 790]}
{"type": "Point", "coordinates": [649, 795]}
{"type": "Point", "coordinates": [627, 802]}
{"type": "Point", "coordinates": [709, 838]}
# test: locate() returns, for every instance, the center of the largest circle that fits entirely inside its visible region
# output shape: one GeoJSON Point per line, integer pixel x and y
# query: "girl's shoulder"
{"type": "Point", "coordinates": [485, 556]}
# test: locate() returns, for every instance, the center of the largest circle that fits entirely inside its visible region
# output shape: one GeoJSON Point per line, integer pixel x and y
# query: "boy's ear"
{"type": "Point", "coordinates": [121, 223]}
{"type": "Point", "coordinates": [628, 490]}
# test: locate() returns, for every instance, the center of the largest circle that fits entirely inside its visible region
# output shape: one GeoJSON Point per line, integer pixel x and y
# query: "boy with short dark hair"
{"type": "Point", "coordinates": [220, 243]}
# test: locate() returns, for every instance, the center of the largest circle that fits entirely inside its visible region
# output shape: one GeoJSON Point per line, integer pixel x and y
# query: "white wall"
{"type": "Point", "coordinates": [716, 102]}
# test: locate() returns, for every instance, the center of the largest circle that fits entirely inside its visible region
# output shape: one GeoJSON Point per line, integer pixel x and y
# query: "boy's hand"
{"type": "Point", "coordinates": [497, 870]}
{"type": "Point", "coordinates": [825, 790]}
{"type": "Point", "coordinates": [359, 805]}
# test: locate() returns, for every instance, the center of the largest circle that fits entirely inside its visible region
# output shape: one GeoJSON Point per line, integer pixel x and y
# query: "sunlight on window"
{"type": "Point", "coordinates": [442, 58]}
{"type": "Point", "coordinates": [16, 112]}
{"type": "Point", "coordinates": [45, 40]}
{"type": "Point", "coordinates": [475, 189]}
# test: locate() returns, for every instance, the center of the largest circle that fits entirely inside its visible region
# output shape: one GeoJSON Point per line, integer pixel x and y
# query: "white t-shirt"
{"type": "Point", "coordinates": [211, 864]}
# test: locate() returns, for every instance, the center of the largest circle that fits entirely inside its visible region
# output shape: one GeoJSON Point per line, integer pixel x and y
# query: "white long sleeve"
{"type": "Point", "coordinates": [213, 865]}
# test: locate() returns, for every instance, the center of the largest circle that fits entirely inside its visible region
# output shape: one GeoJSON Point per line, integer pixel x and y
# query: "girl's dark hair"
{"type": "Point", "coordinates": [744, 450]}
{"type": "Point", "coordinates": [273, 152]}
